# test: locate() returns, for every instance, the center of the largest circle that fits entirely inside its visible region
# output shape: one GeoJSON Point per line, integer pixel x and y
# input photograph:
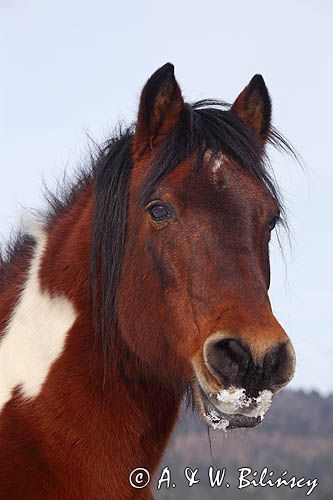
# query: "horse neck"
{"type": "Point", "coordinates": [119, 406]}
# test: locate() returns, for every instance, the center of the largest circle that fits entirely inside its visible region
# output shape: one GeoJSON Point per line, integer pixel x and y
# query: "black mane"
{"type": "Point", "coordinates": [204, 125]}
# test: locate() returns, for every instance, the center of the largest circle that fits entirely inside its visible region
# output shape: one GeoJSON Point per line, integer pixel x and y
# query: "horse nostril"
{"type": "Point", "coordinates": [279, 365]}
{"type": "Point", "coordinates": [229, 360]}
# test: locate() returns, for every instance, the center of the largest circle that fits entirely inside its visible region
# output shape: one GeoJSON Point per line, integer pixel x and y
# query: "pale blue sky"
{"type": "Point", "coordinates": [68, 67]}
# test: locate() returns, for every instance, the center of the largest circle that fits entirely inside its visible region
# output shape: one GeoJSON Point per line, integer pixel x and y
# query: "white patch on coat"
{"type": "Point", "coordinates": [35, 335]}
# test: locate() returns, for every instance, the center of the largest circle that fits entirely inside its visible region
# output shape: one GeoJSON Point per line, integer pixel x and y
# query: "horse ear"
{"type": "Point", "coordinates": [253, 106]}
{"type": "Point", "coordinates": [161, 104]}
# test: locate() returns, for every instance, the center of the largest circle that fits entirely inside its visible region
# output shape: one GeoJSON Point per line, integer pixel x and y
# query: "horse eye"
{"type": "Point", "coordinates": [159, 212]}
{"type": "Point", "coordinates": [273, 223]}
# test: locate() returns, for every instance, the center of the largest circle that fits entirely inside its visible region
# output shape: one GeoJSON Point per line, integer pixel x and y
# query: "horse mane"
{"type": "Point", "coordinates": [18, 249]}
{"type": "Point", "coordinates": [204, 125]}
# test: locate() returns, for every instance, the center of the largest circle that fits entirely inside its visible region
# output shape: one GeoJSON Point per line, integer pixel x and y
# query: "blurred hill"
{"type": "Point", "coordinates": [296, 435]}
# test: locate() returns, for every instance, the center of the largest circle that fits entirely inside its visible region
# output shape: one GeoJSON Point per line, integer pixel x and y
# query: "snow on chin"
{"type": "Point", "coordinates": [234, 401]}
{"type": "Point", "coordinates": [216, 421]}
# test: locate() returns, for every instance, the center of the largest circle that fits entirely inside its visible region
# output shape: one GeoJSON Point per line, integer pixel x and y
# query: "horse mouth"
{"type": "Point", "coordinates": [218, 419]}
{"type": "Point", "coordinates": [248, 415]}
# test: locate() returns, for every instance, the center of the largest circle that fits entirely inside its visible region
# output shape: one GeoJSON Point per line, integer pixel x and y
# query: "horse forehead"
{"type": "Point", "coordinates": [221, 176]}
{"type": "Point", "coordinates": [239, 186]}
{"type": "Point", "coordinates": [222, 169]}
{"type": "Point", "coordinates": [181, 175]}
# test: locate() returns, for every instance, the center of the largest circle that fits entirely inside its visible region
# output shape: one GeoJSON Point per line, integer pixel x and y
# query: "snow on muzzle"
{"type": "Point", "coordinates": [231, 408]}
{"type": "Point", "coordinates": [235, 381]}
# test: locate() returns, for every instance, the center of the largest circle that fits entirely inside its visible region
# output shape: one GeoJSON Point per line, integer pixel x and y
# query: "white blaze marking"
{"type": "Point", "coordinates": [35, 335]}
{"type": "Point", "coordinates": [218, 163]}
{"type": "Point", "coordinates": [216, 168]}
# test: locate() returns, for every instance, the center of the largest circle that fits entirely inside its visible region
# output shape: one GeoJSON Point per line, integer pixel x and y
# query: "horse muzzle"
{"type": "Point", "coordinates": [234, 386]}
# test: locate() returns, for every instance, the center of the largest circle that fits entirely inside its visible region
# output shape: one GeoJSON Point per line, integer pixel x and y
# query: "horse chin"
{"type": "Point", "coordinates": [217, 419]}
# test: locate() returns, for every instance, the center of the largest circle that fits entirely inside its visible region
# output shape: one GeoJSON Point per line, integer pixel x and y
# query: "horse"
{"type": "Point", "coordinates": [145, 278]}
